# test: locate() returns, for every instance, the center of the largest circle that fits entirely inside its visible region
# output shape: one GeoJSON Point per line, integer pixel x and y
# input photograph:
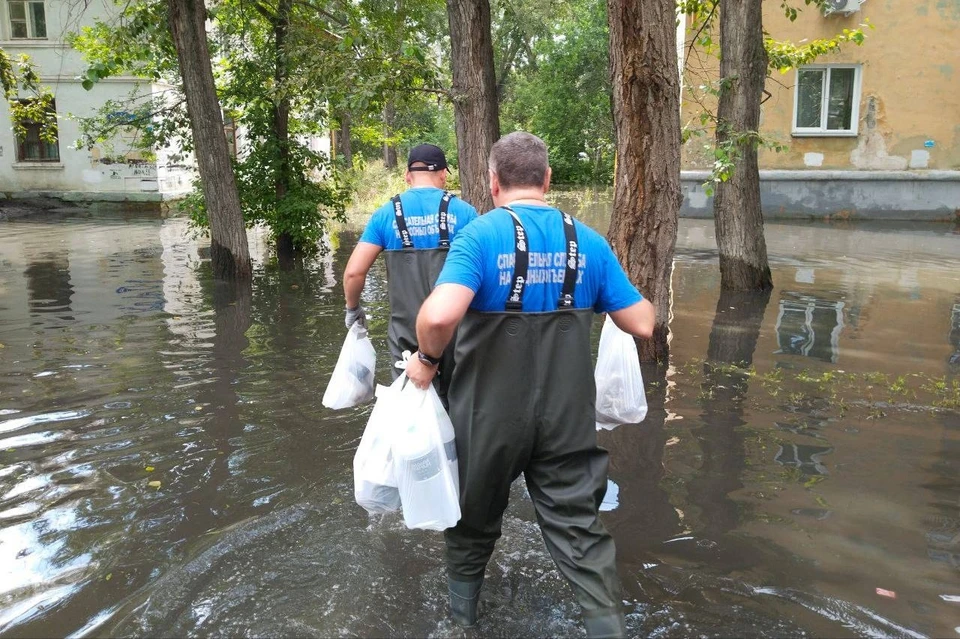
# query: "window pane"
{"type": "Point", "coordinates": [18, 29]}
{"type": "Point", "coordinates": [39, 20]}
{"type": "Point", "coordinates": [810, 97]}
{"type": "Point", "coordinates": [840, 100]}
{"type": "Point", "coordinates": [17, 11]}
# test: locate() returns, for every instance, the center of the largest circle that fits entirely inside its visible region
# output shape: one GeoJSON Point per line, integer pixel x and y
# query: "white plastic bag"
{"type": "Point", "coordinates": [352, 381]}
{"type": "Point", "coordinates": [374, 481]}
{"type": "Point", "coordinates": [425, 462]}
{"type": "Point", "coordinates": [620, 395]}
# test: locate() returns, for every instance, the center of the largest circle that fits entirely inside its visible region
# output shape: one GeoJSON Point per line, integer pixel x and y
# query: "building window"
{"type": "Point", "coordinates": [31, 147]}
{"type": "Point", "coordinates": [27, 19]}
{"type": "Point", "coordinates": [827, 101]}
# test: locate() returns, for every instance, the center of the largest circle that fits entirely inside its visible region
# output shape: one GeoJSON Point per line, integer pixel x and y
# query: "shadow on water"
{"type": "Point", "coordinates": [167, 468]}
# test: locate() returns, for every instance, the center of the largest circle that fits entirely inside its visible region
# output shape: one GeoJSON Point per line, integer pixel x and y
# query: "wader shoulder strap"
{"type": "Point", "coordinates": [522, 260]}
{"type": "Point", "coordinates": [444, 227]}
{"type": "Point", "coordinates": [573, 258]}
{"type": "Point", "coordinates": [401, 223]}
{"type": "Point", "coordinates": [515, 298]}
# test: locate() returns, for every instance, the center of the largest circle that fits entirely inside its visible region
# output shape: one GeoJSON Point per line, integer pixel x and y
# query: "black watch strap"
{"type": "Point", "coordinates": [426, 359]}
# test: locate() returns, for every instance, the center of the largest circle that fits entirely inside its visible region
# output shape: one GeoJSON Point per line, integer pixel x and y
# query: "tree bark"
{"type": "Point", "coordinates": [389, 149]}
{"type": "Point", "coordinates": [475, 109]}
{"type": "Point", "coordinates": [228, 239]}
{"type": "Point", "coordinates": [281, 121]}
{"type": "Point", "coordinates": [646, 116]}
{"type": "Point", "coordinates": [346, 144]}
{"type": "Point", "coordinates": [736, 205]}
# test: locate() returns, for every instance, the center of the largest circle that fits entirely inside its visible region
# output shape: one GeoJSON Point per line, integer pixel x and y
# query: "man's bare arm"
{"type": "Point", "coordinates": [355, 275]}
{"type": "Point", "coordinates": [638, 320]}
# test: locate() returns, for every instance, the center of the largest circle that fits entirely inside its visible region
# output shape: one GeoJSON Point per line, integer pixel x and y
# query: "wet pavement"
{"type": "Point", "coordinates": [167, 469]}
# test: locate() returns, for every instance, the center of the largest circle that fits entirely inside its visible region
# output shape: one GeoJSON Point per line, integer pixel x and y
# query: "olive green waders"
{"type": "Point", "coordinates": [411, 275]}
{"type": "Point", "coordinates": [522, 401]}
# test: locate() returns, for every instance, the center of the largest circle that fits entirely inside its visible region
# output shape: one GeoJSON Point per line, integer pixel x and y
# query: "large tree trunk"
{"type": "Point", "coordinates": [736, 204]}
{"type": "Point", "coordinates": [389, 148]}
{"type": "Point", "coordinates": [646, 116]}
{"type": "Point", "coordinates": [228, 238]}
{"type": "Point", "coordinates": [281, 121]}
{"type": "Point", "coordinates": [475, 109]}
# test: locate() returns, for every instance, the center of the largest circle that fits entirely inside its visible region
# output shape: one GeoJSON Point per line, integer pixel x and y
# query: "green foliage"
{"type": "Point", "coordinates": [351, 57]}
{"type": "Point", "coordinates": [784, 56]}
{"type": "Point", "coordinates": [26, 98]}
{"type": "Point", "coordinates": [565, 96]}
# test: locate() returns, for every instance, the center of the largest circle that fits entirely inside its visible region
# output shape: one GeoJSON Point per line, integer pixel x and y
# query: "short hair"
{"type": "Point", "coordinates": [519, 159]}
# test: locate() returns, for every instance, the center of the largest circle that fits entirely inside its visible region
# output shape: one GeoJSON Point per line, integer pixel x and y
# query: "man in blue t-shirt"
{"type": "Point", "coordinates": [414, 230]}
{"type": "Point", "coordinates": [523, 283]}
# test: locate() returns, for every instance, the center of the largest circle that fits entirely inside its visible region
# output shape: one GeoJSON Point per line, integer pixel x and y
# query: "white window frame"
{"type": "Point", "coordinates": [31, 35]}
{"type": "Point", "coordinates": [822, 131]}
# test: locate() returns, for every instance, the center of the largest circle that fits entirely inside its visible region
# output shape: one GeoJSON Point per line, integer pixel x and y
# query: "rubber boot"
{"type": "Point", "coordinates": [464, 596]}
{"type": "Point", "coordinates": [605, 625]}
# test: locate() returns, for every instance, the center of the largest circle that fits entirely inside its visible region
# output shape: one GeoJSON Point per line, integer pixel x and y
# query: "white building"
{"type": "Point", "coordinates": [30, 167]}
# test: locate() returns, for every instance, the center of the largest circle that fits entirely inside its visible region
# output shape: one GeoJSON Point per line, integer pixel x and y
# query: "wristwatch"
{"type": "Point", "coordinates": [426, 359]}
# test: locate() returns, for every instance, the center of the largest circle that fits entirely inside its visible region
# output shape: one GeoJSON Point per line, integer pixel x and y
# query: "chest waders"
{"type": "Point", "coordinates": [411, 274]}
{"type": "Point", "coordinates": [522, 401]}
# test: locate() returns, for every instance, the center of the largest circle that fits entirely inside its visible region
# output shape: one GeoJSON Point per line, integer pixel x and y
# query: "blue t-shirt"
{"type": "Point", "coordinates": [421, 208]}
{"type": "Point", "coordinates": [483, 256]}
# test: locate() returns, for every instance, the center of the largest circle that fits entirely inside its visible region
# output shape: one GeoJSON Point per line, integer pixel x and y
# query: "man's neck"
{"type": "Point", "coordinates": [524, 195]}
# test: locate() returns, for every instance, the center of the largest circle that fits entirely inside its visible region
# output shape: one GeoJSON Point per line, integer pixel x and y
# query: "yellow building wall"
{"type": "Point", "coordinates": [910, 93]}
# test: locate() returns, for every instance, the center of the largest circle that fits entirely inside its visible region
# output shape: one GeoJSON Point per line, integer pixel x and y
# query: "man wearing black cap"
{"type": "Point", "coordinates": [414, 231]}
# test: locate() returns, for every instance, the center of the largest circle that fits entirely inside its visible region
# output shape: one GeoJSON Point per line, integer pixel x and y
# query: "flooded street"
{"type": "Point", "coordinates": [167, 469]}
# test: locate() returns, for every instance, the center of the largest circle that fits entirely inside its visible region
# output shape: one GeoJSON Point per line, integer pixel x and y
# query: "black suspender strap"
{"type": "Point", "coordinates": [573, 259]}
{"type": "Point", "coordinates": [521, 261]}
{"type": "Point", "coordinates": [444, 227]}
{"type": "Point", "coordinates": [401, 223]}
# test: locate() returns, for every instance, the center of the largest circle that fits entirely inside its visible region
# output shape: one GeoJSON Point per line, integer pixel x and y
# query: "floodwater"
{"type": "Point", "coordinates": [167, 469]}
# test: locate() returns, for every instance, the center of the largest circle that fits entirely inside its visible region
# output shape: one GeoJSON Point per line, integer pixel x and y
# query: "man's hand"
{"type": "Point", "coordinates": [354, 316]}
{"type": "Point", "coordinates": [419, 373]}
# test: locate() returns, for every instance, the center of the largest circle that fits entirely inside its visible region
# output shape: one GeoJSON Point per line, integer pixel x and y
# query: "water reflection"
{"type": "Point", "coordinates": [48, 285]}
{"type": "Point", "coordinates": [733, 341]}
{"type": "Point", "coordinates": [810, 327]}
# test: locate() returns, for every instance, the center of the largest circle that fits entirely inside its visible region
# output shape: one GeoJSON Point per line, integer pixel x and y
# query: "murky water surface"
{"type": "Point", "coordinates": [167, 469]}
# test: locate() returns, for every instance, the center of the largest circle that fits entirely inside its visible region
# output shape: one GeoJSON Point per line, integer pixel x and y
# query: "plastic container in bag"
{"type": "Point", "coordinates": [427, 477]}
{"type": "Point", "coordinates": [620, 395]}
{"type": "Point", "coordinates": [374, 481]}
{"type": "Point", "coordinates": [352, 381]}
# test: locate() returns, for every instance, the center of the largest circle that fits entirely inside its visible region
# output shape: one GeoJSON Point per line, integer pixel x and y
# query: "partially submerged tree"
{"type": "Point", "coordinates": [474, 96]}
{"type": "Point", "coordinates": [747, 56]}
{"type": "Point", "coordinates": [646, 116]}
{"type": "Point", "coordinates": [736, 205]}
{"type": "Point", "coordinates": [228, 239]}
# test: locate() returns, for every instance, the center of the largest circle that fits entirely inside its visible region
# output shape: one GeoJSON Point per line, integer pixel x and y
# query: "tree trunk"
{"type": "Point", "coordinates": [281, 121]}
{"type": "Point", "coordinates": [228, 239]}
{"type": "Point", "coordinates": [736, 205]}
{"type": "Point", "coordinates": [646, 116]}
{"type": "Point", "coordinates": [346, 144]}
{"type": "Point", "coordinates": [475, 109]}
{"type": "Point", "coordinates": [389, 148]}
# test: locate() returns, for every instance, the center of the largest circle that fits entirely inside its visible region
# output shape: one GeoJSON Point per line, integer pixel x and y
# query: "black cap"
{"type": "Point", "coordinates": [430, 155]}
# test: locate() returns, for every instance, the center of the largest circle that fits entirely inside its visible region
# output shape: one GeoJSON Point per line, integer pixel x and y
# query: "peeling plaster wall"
{"type": "Point", "coordinates": [910, 97]}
